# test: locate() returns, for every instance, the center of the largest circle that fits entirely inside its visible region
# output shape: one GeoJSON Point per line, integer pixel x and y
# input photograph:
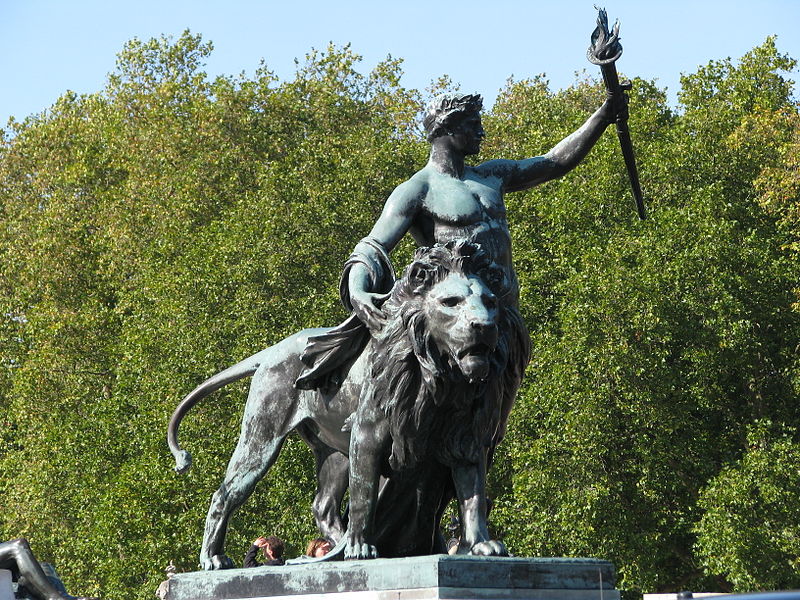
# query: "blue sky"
{"type": "Point", "coordinates": [48, 46]}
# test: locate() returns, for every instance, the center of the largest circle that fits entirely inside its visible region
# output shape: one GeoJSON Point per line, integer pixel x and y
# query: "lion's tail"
{"type": "Point", "coordinates": [183, 460]}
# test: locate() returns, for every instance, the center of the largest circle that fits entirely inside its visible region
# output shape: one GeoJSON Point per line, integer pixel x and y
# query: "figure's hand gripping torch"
{"type": "Point", "coordinates": [604, 50]}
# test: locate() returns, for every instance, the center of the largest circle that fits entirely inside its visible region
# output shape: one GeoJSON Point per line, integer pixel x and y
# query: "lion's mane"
{"type": "Point", "coordinates": [422, 394]}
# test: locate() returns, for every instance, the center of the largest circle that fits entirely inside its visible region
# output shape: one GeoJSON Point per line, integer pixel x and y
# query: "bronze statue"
{"type": "Point", "coordinates": [380, 392]}
{"type": "Point", "coordinates": [448, 199]}
{"type": "Point", "coordinates": [17, 557]}
{"type": "Point", "coordinates": [445, 200]}
{"type": "Point", "coordinates": [419, 406]}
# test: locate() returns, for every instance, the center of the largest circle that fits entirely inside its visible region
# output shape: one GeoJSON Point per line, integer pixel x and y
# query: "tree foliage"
{"type": "Point", "coordinates": [169, 225]}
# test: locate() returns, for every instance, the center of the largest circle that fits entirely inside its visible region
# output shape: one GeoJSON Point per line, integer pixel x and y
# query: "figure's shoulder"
{"type": "Point", "coordinates": [420, 178]}
{"type": "Point", "coordinates": [415, 186]}
{"type": "Point", "coordinates": [407, 197]}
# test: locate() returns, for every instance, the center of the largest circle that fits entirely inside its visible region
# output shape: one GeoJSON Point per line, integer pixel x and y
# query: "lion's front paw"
{"type": "Point", "coordinates": [356, 549]}
{"type": "Point", "coordinates": [489, 548]}
{"type": "Point", "coordinates": [216, 563]}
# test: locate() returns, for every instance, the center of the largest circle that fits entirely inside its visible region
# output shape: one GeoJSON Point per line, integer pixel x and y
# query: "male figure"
{"type": "Point", "coordinates": [443, 201]}
{"type": "Point", "coordinates": [271, 546]}
{"type": "Point", "coordinates": [448, 199]}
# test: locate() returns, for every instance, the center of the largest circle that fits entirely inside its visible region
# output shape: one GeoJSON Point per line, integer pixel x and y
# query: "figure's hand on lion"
{"type": "Point", "coordinates": [366, 305]}
{"type": "Point", "coordinates": [489, 548]}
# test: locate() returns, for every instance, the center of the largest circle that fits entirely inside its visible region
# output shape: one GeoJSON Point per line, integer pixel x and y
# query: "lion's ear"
{"type": "Point", "coordinates": [421, 252]}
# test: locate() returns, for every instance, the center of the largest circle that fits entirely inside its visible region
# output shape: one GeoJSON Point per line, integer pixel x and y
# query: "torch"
{"type": "Point", "coordinates": [604, 50]}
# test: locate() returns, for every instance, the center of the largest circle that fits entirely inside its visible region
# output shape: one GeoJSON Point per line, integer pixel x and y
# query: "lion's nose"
{"type": "Point", "coordinates": [484, 332]}
{"type": "Point", "coordinates": [479, 325]}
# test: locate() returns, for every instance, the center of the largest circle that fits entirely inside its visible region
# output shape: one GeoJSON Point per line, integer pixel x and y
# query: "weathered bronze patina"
{"type": "Point", "coordinates": [418, 407]}
{"type": "Point", "coordinates": [406, 401]}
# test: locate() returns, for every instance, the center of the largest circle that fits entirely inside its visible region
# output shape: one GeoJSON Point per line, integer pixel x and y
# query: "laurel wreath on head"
{"type": "Point", "coordinates": [444, 106]}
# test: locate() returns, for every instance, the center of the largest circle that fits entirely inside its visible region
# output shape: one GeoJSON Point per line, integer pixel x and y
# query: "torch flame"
{"type": "Point", "coordinates": [605, 45]}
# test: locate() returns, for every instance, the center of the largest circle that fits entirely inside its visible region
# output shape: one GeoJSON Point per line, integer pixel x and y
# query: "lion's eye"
{"type": "Point", "coordinates": [490, 301]}
{"type": "Point", "coordinates": [450, 301]}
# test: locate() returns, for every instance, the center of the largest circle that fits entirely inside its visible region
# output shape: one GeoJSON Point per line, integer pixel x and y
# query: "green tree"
{"type": "Point", "coordinates": [750, 530]}
{"type": "Point", "coordinates": [153, 233]}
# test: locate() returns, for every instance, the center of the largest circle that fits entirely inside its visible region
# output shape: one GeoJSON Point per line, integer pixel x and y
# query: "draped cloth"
{"type": "Point", "coordinates": [326, 354]}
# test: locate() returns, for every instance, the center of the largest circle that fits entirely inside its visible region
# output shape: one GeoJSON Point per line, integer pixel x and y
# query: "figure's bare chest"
{"type": "Point", "coordinates": [464, 202]}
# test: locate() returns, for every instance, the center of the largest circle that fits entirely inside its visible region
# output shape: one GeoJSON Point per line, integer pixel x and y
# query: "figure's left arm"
{"type": "Point", "coordinates": [520, 175]}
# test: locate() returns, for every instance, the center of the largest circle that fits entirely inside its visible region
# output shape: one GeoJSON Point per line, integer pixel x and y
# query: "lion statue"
{"type": "Point", "coordinates": [418, 413]}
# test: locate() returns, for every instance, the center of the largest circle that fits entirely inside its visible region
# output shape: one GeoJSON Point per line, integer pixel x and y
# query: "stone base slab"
{"type": "Point", "coordinates": [437, 577]}
{"type": "Point", "coordinates": [457, 594]}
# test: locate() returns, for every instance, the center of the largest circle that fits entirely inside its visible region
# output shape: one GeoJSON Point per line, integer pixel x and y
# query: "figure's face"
{"type": "Point", "coordinates": [468, 134]}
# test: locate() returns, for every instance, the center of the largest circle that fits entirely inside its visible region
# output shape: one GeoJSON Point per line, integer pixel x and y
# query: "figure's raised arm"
{"type": "Point", "coordinates": [368, 273]}
{"type": "Point", "coordinates": [520, 175]}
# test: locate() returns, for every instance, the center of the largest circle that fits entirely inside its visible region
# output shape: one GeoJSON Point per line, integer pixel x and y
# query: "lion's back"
{"type": "Point", "coordinates": [281, 364]}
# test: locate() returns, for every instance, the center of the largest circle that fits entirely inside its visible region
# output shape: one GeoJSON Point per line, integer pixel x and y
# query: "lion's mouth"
{"type": "Point", "coordinates": [476, 350]}
{"type": "Point", "coordinates": [474, 363]}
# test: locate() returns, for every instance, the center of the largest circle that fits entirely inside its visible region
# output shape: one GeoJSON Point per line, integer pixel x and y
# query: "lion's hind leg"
{"type": "Point", "coordinates": [332, 482]}
{"type": "Point", "coordinates": [270, 415]}
{"type": "Point", "coordinates": [251, 460]}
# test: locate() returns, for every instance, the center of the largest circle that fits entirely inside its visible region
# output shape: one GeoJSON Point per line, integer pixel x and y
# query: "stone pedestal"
{"type": "Point", "coordinates": [418, 578]}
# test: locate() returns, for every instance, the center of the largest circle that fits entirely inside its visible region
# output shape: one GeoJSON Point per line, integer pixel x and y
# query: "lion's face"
{"type": "Point", "coordinates": [462, 315]}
